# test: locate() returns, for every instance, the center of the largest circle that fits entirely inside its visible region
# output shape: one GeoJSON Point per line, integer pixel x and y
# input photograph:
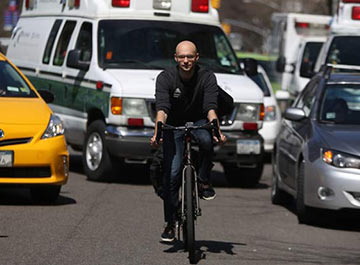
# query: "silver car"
{"type": "Point", "coordinates": [316, 156]}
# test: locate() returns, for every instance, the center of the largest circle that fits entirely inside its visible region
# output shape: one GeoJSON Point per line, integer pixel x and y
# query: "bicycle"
{"type": "Point", "coordinates": [189, 192]}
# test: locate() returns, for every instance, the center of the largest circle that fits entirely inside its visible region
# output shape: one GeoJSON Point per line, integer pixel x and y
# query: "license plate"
{"type": "Point", "coordinates": [6, 158]}
{"type": "Point", "coordinates": [245, 147]}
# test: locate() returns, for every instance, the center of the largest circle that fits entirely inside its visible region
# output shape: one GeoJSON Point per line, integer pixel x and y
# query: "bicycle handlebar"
{"type": "Point", "coordinates": [212, 125]}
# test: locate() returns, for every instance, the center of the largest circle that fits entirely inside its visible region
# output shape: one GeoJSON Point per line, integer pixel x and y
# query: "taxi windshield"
{"type": "Point", "coordinates": [129, 44]}
{"type": "Point", "coordinates": [12, 84]}
{"type": "Point", "coordinates": [341, 104]}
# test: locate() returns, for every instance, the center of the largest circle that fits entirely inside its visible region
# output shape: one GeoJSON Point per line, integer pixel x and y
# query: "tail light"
{"type": "Point", "coordinates": [355, 14]}
{"type": "Point", "coordinates": [200, 6]}
{"type": "Point", "coordinates": [302, 25]}
{"type": "Point", "coordinates": [120, 3]}
{"type": "Point", "coordinates": [116, 106]}
{"type": "Point", "coordinates": [351, 1]}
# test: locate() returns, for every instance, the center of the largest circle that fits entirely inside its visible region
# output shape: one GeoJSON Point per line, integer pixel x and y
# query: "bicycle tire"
{"type": "Point", "coordinates": [190, 219]}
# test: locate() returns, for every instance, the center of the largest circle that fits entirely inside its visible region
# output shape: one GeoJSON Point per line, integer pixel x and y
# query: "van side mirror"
{"type": "Point", "coordinates": [73, 61]}
{"type": "Point", "coordinates": [280, 64]}
{"type": "Point", "coordinates": [250, 66]}
{"type": "Point", "coordinates": [46, 95]}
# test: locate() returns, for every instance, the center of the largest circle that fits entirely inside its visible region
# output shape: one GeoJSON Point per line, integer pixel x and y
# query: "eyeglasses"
{"type": "Point", "coordinates": [188, 56]}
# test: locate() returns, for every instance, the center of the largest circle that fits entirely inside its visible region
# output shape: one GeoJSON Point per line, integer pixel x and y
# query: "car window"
{"type": "Point", "coordinates": [341, 104]}
{"type": "Point", "coordinates": [307, 98]}
{"type": "Point", "coordinates": [63, 43]}
{"type": "Point", "coordinates": [12, 84]}
{"type": "Point", "coordinates": [342, 50]}
{"type": "Point", "coordinates": [260, 81]}
{"type": "Point", "coordinates": [84, 41]}
{"type": "Point", "coordinates": [51, 40]}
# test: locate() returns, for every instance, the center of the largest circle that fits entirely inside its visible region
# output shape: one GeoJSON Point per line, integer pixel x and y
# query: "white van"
{"type": "Point", "coordinates": [101, 58]}
{"type": "Point", "coordinates": [308, 52]}
{"type": "Point", "coordinates": [290, 32]}
{"type": "Point", "coordinates": [342, 45]}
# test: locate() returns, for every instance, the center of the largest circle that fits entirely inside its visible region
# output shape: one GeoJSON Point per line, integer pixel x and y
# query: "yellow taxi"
{"type": "Point", "coordinates": [32, 143]}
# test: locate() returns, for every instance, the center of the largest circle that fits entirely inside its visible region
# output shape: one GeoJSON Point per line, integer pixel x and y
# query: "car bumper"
{"type": "Point", "coordinates": [134, 146]}
{"type": "Point", "coordinates": [37, 162]}
{"type": "Point", "coordinates": [342, 186]}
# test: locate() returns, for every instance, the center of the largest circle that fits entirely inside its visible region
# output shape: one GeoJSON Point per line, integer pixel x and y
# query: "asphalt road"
{"type": "Point", "coordinates": [121, 222]}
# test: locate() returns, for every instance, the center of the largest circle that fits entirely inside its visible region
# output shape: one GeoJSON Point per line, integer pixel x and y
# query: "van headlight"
{"type": "Point", "coordinates": [248, 112]}
{"type": "Point", "coordinates": [339, 159]}
{"type": "Point", "coordinates": [55, 127]}
{"type": "Point", "coordinates": [134, 107]}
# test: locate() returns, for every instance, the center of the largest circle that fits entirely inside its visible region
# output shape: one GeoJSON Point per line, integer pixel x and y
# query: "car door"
{"type": "Point", "coordinates": [297, 131]}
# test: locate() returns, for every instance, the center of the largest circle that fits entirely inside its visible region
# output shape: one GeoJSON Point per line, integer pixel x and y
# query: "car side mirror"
{"type": "Point", "coordinates": [250, 66]}
{"type": "Point", "coordinates": [73, 61]}
{"type": "Point", "coordinates": [294, 114]}
{"type": "Point", "coordinates": [47, 96]}
{"type": "Point", "coordinates": [280, 64]}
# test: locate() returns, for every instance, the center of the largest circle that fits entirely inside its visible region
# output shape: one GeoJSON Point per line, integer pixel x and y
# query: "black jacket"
{"type": "Point", "coordinates": [186, 101]}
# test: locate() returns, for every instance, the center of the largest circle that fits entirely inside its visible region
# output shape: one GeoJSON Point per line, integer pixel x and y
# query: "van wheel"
{"type": "Point", "coordinates": [303, 212]}
{"type": "Point", "coordinates": [96, 159]}
{"type": "Point", "coordinates": [45, 194]}
{"type": "Point", "coordinates": [243, 177]}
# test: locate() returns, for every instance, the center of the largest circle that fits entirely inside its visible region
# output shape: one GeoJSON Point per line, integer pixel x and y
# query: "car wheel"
{"type": "Point", "coordinates": [303, 212]}
{"type": "Point", "coordinates": [45, 194]}
{"type": "Point", "coordinates": [243, 177]}
{"type": "Point", "coordinates": [277, 195]}
{"type": "Point", "coordinates": [96, 159]}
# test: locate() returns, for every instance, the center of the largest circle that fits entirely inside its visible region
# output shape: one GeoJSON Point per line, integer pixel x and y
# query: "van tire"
{"type": "Point", "coordinates": [95, 157]}
{"type": "Point", "coordinates": [243, 177]}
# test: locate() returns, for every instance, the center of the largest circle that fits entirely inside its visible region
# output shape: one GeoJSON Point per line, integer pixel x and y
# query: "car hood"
{"type": "Point", "coordinates": [343, 138]}
{"type": "Point", "coordinates": [141, 84]}
{"type": "Point", "coordinates": [24, 111]}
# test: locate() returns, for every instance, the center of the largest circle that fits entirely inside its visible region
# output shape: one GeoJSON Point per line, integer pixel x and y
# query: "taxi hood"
{"type": "Point", "coordinates": [24, 111]}
{"type": "Point", "coordinates": [141, 84]}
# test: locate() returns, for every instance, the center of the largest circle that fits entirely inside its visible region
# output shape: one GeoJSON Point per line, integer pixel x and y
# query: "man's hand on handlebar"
{"type": "Point", "coordinates": [157, 139]}
{"type": "Point", "coordinates": [218, 136]}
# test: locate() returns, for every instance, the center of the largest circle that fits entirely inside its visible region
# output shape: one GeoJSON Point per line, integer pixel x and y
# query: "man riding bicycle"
{"type": "Point", "coordinates": [185, 93]}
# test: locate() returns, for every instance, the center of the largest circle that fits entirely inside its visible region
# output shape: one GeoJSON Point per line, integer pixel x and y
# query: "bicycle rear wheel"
{"type": "Point", "coordinates": [189, 224]}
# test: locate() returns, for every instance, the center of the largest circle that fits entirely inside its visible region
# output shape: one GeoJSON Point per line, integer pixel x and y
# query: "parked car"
{"type": "Point", "coordinates": [272, 118]}
{"type": "Point", "coordinates": [32, 145]}
{"type": "Point", "coordinates": [316, 157]}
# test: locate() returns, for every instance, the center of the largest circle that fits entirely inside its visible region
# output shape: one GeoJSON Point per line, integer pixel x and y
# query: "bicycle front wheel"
{"type": "Point", "coordinates": [189, 204]}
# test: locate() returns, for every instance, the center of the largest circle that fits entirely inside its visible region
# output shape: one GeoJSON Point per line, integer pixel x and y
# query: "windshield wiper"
{"type": "Point", "coordinates": [120, 63]}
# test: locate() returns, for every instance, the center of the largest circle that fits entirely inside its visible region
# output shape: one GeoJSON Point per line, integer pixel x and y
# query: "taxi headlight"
{"type": "Point", "coordinates": [134, 107]}
{"type": "Point", "coordinates": [248, 112]}
{"type": "Point", "coordinates": [55, 127]}
{"type": "Point", "coordinates": [339, 159]}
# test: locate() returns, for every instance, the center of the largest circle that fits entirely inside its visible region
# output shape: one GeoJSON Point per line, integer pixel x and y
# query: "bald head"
{"type": "Point", "coordinates": [186, 45]}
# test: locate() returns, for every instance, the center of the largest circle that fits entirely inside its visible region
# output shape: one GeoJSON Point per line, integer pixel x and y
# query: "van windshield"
{"type": "Point", "coordinates": [129, 44]}
{"type": "Point", "coordinates": [342, 50]}
{"type": "Point", "coordinates": [12, 84]}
